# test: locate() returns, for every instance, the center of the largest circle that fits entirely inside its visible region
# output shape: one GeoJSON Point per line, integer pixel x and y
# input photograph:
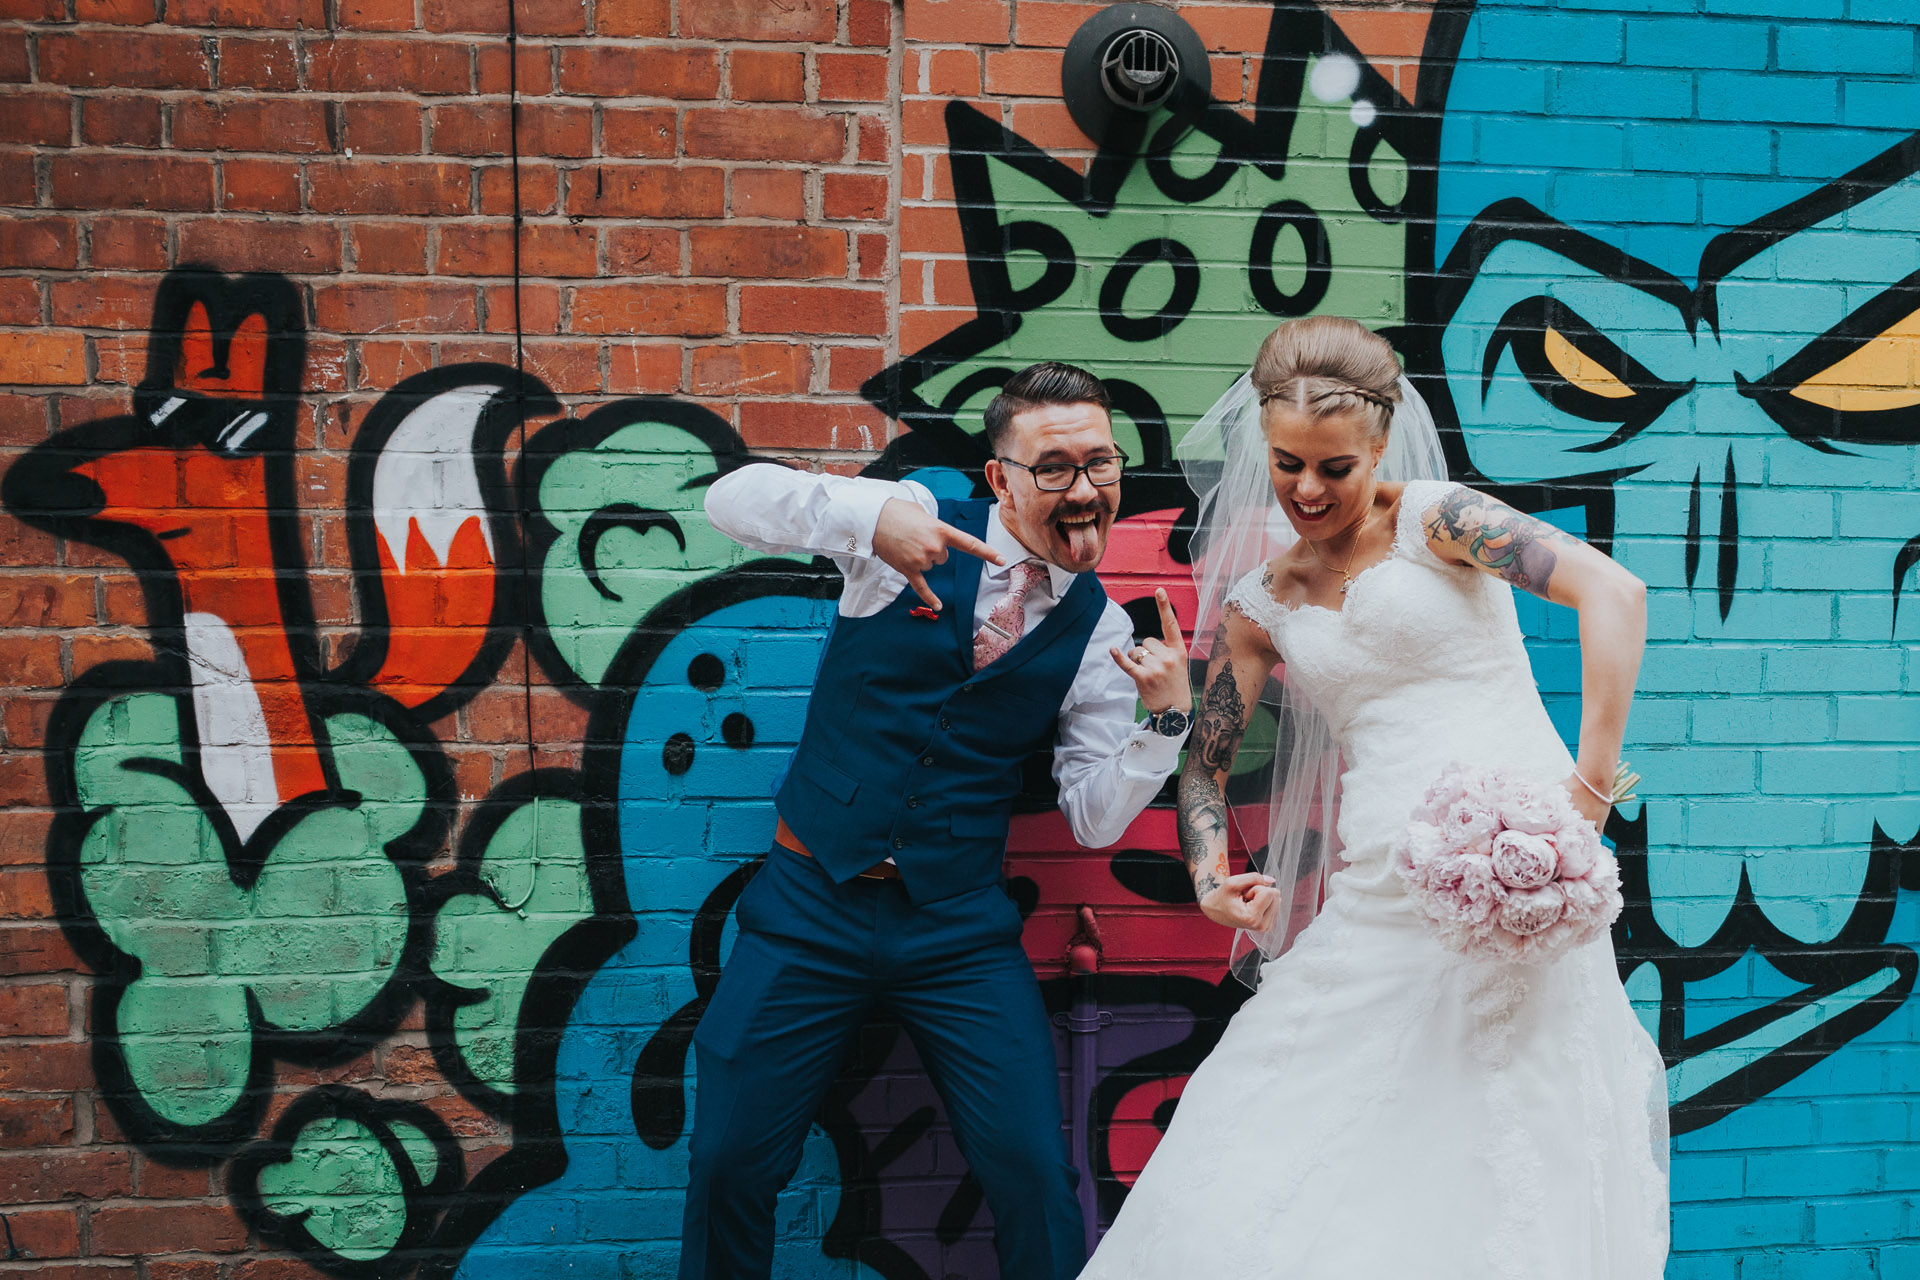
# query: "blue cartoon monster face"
{"type": "Point", "coordinates": [1691, 303]}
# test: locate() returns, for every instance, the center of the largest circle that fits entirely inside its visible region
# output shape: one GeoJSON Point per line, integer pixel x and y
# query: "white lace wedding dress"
{"type": "Point", "coordinates": [1383, 1109]}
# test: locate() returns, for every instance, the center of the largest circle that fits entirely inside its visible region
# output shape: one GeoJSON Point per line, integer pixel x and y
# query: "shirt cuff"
{"type": "Point", "coordinates": [1150, 755]}
{"type": "Point", "coordinates": [853, 512]}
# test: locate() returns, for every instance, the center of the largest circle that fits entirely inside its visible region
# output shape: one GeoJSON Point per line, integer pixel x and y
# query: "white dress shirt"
{"type": "Point", "coordinates": [1106, 762]}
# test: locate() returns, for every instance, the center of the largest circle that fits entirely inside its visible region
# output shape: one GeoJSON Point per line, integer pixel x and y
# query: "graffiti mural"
{"type": "Point", "coordinates": [244, 819]}
{"type": "Point", "coordinates": [262, 853]}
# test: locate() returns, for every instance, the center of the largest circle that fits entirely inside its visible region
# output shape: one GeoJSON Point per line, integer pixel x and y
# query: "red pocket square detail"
{"type": "Point", "coordinates": [922, 611]}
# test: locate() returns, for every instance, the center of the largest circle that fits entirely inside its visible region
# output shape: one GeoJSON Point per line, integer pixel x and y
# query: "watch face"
{"type": "Point", "coordinates": [1173, 722]}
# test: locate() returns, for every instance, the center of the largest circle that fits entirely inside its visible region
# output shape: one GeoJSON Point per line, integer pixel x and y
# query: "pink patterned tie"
{"type": "Point", "coordinates": [1008, 620]}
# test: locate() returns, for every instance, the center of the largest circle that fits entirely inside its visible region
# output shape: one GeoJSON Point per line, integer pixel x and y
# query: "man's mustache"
{"type": "Point", "coordinates": [1093, 509]}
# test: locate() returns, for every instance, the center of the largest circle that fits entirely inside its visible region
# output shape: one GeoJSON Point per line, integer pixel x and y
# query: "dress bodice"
{"type": "Point", "coordinates": [1424, 665]}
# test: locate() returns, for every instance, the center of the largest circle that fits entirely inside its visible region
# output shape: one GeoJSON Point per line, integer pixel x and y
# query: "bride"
{"type": "Point", "coordinates": [1383, 1108]}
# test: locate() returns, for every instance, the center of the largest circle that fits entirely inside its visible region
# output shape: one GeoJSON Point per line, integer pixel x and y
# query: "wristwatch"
{"type": "Point", "coordinates": [1170, 723]}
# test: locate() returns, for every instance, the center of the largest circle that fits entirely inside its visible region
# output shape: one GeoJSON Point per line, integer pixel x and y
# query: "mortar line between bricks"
{"type": "Point", "coordinates": [896, 194]}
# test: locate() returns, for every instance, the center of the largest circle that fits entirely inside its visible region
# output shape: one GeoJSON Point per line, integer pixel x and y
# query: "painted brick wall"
{"type": "Point", "coordinates": [387, 736]}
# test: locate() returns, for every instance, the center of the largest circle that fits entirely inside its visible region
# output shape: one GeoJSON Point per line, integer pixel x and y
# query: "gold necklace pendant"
{"type": "Point", "coordinates": [1346, 574]}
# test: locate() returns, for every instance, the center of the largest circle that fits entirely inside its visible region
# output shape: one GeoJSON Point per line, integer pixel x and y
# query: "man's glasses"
{"type": "Point", "coordinates": [1054, 477]}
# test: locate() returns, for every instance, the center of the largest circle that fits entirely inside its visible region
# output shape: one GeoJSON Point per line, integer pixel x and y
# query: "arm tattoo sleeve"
{"type": "Point", "coordinates": [1223, 721]}
{"type": "Point", "coordinates": [1497, 538]}
{"type": "Point", "coordinates": [1203, 808]}
{"type": "Point", "coordinates": [1203, 824]}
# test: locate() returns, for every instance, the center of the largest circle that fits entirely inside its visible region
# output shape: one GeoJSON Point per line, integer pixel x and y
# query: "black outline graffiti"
{"type": "Point", "coordinates": [1820, 426]}
{"type": "Point", "coordinates": [1305, 223]}
{"type": "Point", "coordinates": [1905, 559]}
{"type": "Point", "coordinates": [1857, 952]}
{"type": "Point", "coordinates": [657, 1093]}
{"type": "Point", "coordinates": [621, 515]}
{"type": "Point", "coordinates": [443, 999]}
{"type": "Point", "coordinates": [1113, 290]}
{"type": "Point", "coordinates": [1523, 330]}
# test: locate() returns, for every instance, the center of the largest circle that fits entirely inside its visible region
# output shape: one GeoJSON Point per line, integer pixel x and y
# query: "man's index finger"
{"type": "Point", "coordinates": [964, 541]}
{"type": "Point", "coordinates": [1169, 622]}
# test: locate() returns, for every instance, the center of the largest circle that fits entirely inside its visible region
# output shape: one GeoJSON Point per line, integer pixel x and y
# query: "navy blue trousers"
{"type": "Point", "coordinates": [813, 961]}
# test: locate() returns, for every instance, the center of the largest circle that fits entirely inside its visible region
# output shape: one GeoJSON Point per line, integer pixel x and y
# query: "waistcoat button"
{"type": "Point", "coordinates": [913, 802]}
{"type": "Point", "coordinates": [927, 760]}
{"type": "Point", "coordinates": [899, 843]}
{"type": "Point", "coordinates": [946, 723]}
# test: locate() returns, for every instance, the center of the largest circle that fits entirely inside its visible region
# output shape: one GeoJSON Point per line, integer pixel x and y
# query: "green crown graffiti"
{"type": "Point", "coordinates": [1181, 259]}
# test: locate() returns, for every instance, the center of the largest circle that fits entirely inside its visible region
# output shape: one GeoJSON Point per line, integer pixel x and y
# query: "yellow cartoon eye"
{"type": "Point", "coordinates": [1882, 373]}
{"type": "Point", "coordinates": [1581, 369]}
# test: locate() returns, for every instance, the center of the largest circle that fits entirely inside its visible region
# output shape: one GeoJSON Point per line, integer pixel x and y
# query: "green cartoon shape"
{"type": "Point", "coordinates": [620, 500]}
{"type": "Point", "coordinates": [309, 944]}
{"type": "Point", "coordinates": [1194, 261]}
{"type": "Point", "coordinates": [349, 1182]}
{"type": "Point", "coordinates": [532, 887]}
{"type": "Point", "coordinates": [342, 1185]}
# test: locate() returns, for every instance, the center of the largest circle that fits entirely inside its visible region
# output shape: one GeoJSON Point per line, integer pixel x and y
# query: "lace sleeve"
{"type": "Point", "coordinates": [1410, 533]}
{"type": "Point", "coordinates": [1251, 597]}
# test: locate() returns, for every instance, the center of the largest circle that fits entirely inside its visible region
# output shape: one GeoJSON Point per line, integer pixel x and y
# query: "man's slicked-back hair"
{"type": "Point", "coordinates": [1049, 382]}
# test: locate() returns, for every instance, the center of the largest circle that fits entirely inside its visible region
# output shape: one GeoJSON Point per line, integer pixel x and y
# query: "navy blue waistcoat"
{"type": "Point", "coordinates": [910, 754]}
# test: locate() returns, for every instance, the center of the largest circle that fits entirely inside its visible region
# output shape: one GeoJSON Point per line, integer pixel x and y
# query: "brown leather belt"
{"type": "Point", "coordinates": [783, 834]}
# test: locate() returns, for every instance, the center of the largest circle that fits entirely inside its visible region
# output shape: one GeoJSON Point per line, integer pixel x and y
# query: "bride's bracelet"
{"type": "Point", "coordinates": [1598, 794]}
{"type": "Point", "coordinates": [1623, 784]}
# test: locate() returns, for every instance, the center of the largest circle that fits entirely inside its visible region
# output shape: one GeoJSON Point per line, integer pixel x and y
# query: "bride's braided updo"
{"type": "Point", "coordinates": [1328, 364]}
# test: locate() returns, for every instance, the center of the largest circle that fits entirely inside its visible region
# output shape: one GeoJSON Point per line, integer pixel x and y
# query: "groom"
{"type": "Point", "coordinates": [884, 892]}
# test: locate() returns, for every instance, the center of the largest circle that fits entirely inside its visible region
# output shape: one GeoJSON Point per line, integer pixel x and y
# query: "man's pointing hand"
{"type": "Point", "coordinates": [912, 542]}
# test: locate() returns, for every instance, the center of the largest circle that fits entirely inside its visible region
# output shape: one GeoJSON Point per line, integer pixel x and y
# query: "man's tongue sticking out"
{"type": "Point", "coordinates": [1081, 532]}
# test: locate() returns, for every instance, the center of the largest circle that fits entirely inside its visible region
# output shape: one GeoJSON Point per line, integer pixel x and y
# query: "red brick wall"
{"type": "Point", "coordinates": [738, 162]}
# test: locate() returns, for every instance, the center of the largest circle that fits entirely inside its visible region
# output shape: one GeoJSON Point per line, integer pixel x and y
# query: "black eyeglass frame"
{"type": "Point", "coordinates": [1080, 469]}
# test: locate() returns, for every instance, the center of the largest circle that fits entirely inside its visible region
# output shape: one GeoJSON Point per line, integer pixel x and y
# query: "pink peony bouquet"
{"type": "Point", "coordinates": [1505, 867]}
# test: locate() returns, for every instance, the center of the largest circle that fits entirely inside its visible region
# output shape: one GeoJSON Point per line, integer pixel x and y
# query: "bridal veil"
{"type": "Point", "coordinates": [1284, 793]}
